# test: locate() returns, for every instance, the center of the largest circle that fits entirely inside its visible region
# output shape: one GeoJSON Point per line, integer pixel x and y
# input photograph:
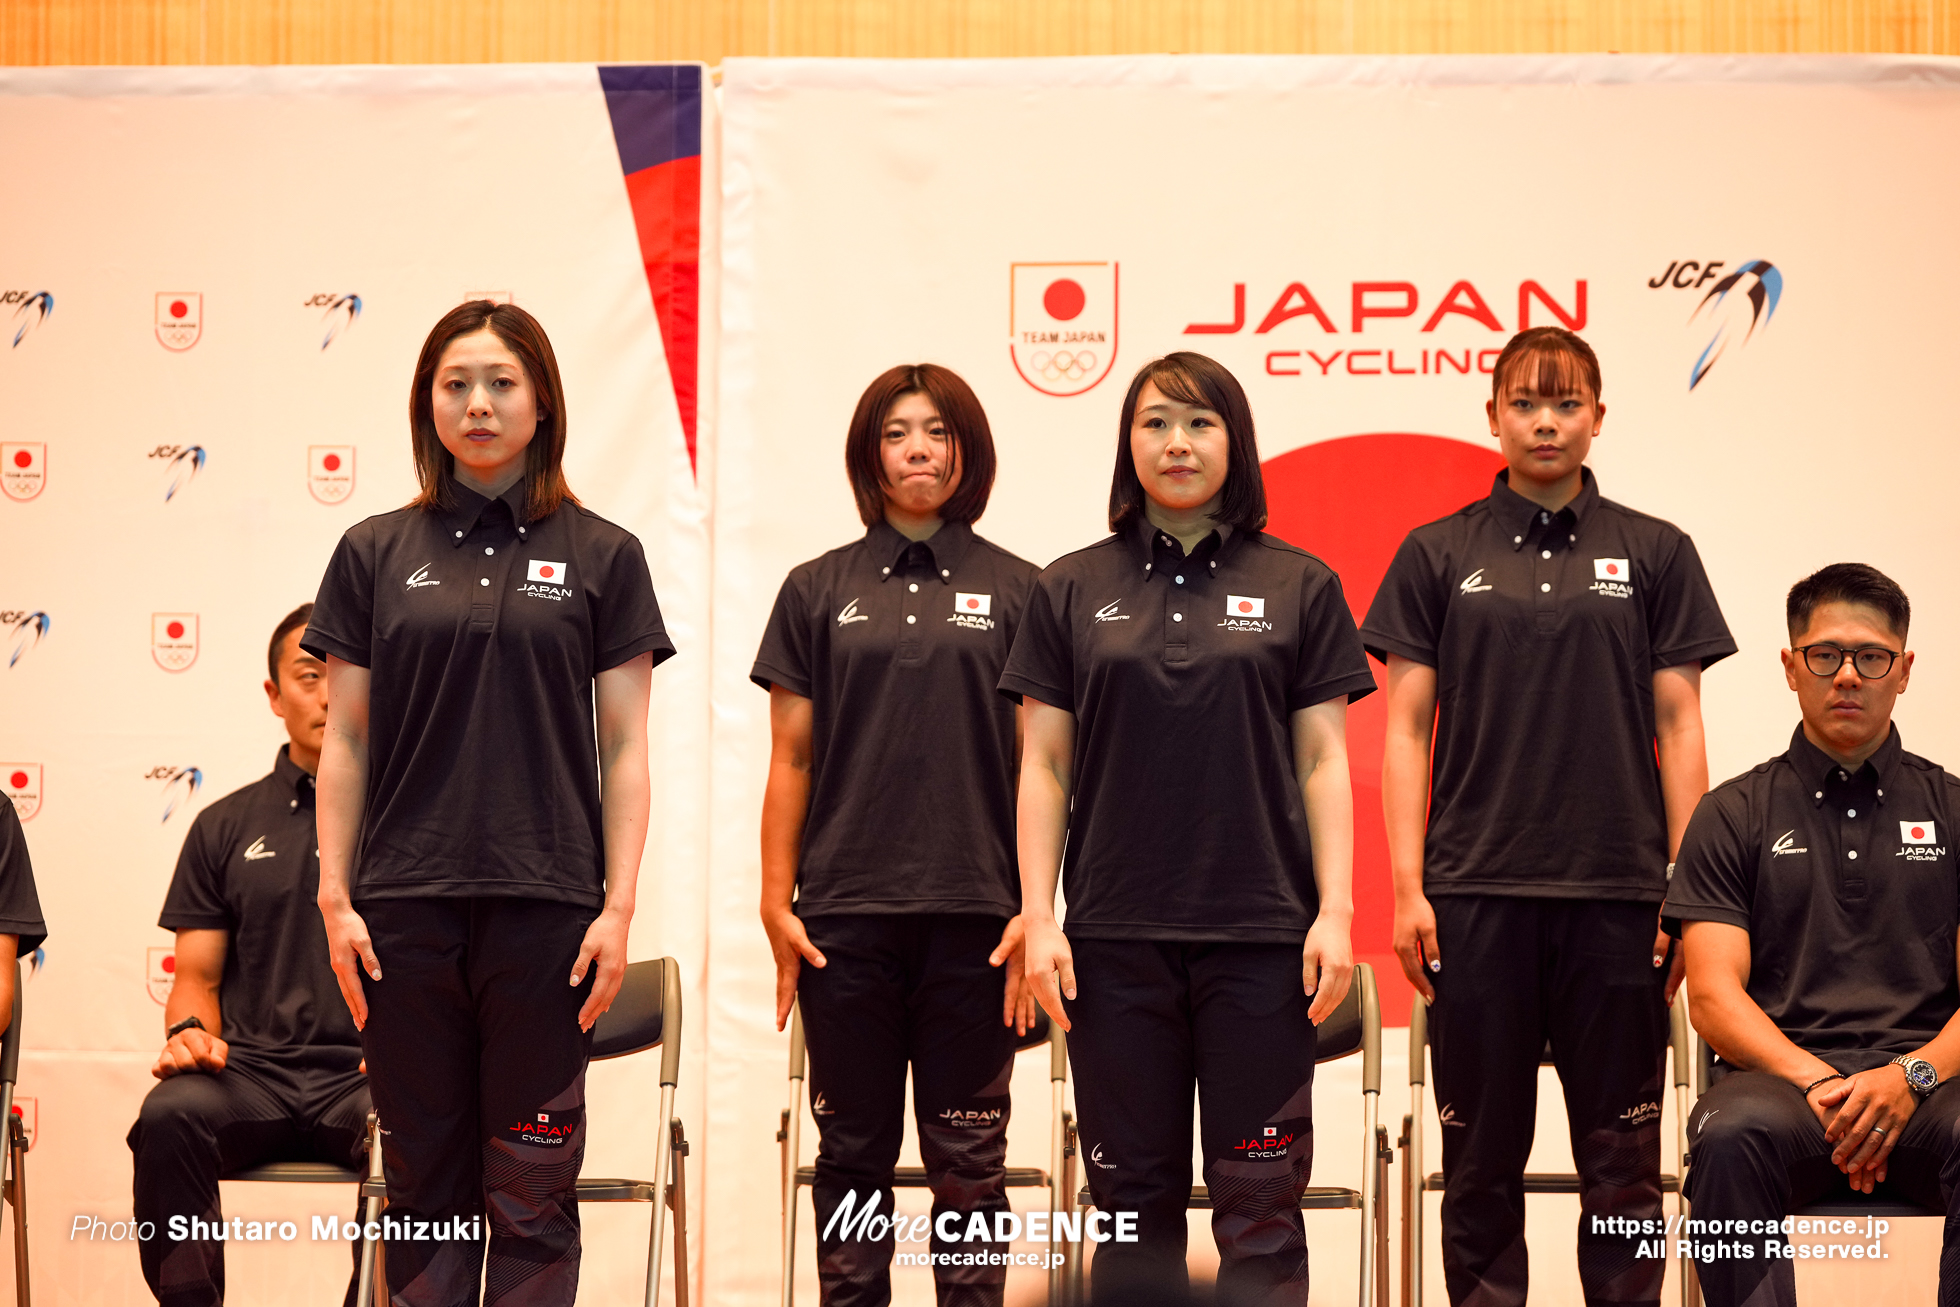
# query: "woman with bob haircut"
{"type": "Point", "coordinates": [888, 830]}
{"type": "Point", "coordinates": [1185, 683]}
{"type": "Point", "coordinates": [1549, 643]}
{"type": "Point", "coordinates": [483, 801]}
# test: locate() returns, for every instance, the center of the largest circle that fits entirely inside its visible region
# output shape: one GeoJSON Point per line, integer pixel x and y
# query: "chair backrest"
{"type": "Point", "coordinates": [1355, 1027]}
{"type": "Point", "coordinates": [646, 1012]}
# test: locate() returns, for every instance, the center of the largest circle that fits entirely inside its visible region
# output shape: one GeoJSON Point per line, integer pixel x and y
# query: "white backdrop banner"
{"type": "Point", "coordinates": [213, 288]}
{"type": "Point", "coordinates": [1759, 249]}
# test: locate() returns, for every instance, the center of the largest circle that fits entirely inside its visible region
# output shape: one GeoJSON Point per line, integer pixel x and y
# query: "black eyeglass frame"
{"type": "Point", "coordinates": [1855, 655]}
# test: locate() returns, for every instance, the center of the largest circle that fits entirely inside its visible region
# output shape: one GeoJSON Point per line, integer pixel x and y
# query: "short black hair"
{"type": "Point", "coordinates": [1848, 583]}
{"type": "Point", "coordinates": [1559, 362]}
{"type": "Point", "coordinates": [1206, 383]}
{"type": "Point", "coordinates": [291, 622]}
{"type": "Point", "coordinates": [958, 407]}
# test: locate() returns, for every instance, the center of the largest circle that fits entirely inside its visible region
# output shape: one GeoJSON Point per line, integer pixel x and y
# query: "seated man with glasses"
{"type": "Point", "coordinates": [1816, 901]}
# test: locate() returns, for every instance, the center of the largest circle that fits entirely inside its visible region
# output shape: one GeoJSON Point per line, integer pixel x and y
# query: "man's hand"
{"type": "Point", "coordinates": [1415, 943]}
{"type": "Point", "coordinates": [351, 953]}
{"type": "Point", "coordinates": [1869, 1111]}
{"type": "Point", "coordinates": [605, 944]}
{"type": "Point", "coordinates": [1326, 966]}
{"type": "Point", "coordinates": [1017, 1006]}
{"type": "Point", "coordinates": [790, 943]}
{"type": "Point", "coordinates": [1677, 970]}
{"type": "Point", "coordinates": [191, 1051]}
{"type": "Point", "coordinates": [1050, 967]}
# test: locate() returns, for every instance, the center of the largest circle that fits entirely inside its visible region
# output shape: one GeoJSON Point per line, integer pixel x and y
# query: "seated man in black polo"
{"type": "Point", "coordinates": [262, 1062]}
{"type": "Point", "coordinates": [1816, 901]}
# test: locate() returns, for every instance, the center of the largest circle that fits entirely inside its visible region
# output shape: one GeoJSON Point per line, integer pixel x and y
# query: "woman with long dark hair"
{"type": "Point", "coordinates": [483, 801]}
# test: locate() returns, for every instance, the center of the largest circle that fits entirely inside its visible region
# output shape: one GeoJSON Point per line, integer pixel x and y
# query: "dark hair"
{"type": "Point", "coordinates": [959, 408]}
{"type": "Point", "coordinates": [1848, 583]}
{"type": "Point", "coordinates": [291, 622]}
{"type": "Point", "coordinates": [1194, 379]}
{"type": "Point", "coordinates": [544, 475]}
{"type": "Point", "coordinates": [1564, 362]}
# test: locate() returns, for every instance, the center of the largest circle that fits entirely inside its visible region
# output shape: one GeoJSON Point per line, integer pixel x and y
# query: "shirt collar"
{"type": "Point", "coordinates": [459, 521]}
{"type": "Point", "coordinates": [947, 548]}
{"type": "Point", "coordinates": [1817, 769]}
{"type": "Point", "coordinates": [1146, 541]}
{"type": "Point", "coordinates": [291, 775]}
{"type": "Point", "coordinates": [1518, 516]}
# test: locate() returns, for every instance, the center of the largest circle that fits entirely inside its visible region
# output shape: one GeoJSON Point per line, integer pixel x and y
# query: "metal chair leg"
{"type": "Point", "coordinates": [659, 1189]}
{"type": "Point", "coordinates": [371, 1286]}
{"type": "Point", "coordinates": [1370, 1123]}
{"type": "Point", "coordinates": [790, 1136]}
{"type": "Point", "coordinates": [677, 1202]}
{"type": "Point", "coordinates": [17, 1195]}
{"type": "Point", "coordinates": [1379, 1216]}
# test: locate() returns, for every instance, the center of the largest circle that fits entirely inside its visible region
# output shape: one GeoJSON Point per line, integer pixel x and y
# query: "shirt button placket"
{"type": "Point", "coordinates": [912, 606]}
{"type": "Point", "coordinates": [1544, 584]}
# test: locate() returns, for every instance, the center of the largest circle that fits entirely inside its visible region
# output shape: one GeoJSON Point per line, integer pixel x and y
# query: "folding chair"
{"type": "Point", "coordinates": [646, 1012]}
{"type": "Point", "coordinates": [1415, 1183]}
{"type": "Point", "coordinates": [14, 1188]}
{"type": "Point", "coordinates": [373, 1285]}
{"type": "Point", "coordinates": [1058, 1182]}
{"type": "Point", "coordinates": [1844, 1201]}
{"type": "Point", "coordinates": [1354, 1027]}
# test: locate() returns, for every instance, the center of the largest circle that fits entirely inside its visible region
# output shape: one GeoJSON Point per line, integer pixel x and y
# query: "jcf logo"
{"type": "Point", "coordinates": [180, 786]}
{"type": "Point", "coordinates": [1760, 286]}
{"type": "Point", "coordinates": [181, 463]}
{"type": "Point", "coordinates": [23, 631]}
{"type": "Point", "coordinates": [31, 309]}
{"type": "Point", "coordinates": [341, 312]}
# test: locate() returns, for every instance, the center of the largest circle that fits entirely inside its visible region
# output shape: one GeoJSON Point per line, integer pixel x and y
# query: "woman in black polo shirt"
{"type": "Point", "coordinates": [1551, 643]}
{"type": "Point", "coordinates": [889, 819]}
{"type": "Point", "coordinates": [1185, 682]}
{"type": "Point", "coordinates": [483, 802]}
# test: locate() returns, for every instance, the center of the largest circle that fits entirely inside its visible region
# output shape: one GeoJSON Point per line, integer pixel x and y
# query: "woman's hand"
{"type": "Point", "coordinates": [352, 953]}
{"type": "Point", "coordinates": [604, 943]}
{"type": "Point", "coordinates": [1017, 1005]}
{"type": "Point", "coordinates": [1050, 967]}
{"type": "Point", "coordinates": [790, 943]}
{"type": "Point", "coordinates": [1326, 966]}
{"type": "Point", "coordinates": [1414, 935]}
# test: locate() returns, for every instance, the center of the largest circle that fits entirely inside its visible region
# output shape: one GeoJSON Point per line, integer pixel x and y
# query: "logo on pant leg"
{"type": "Point", "coordinates": [970, 1120]}
{"type": "Point", "coordinates": [1641, 1113]}
{"type": "Point", "coordinates": [1270, 1142]}
{"type": "Point", "coordinates": [1095, 1155]}
{"type": "Point", "coordinates": [1446, 1115]}
{"type": "Point", "coordinates": [549, 1130]}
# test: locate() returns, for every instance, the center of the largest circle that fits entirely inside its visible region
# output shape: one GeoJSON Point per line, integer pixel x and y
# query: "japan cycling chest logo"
{"type": "Point", "coordinates": [973, 610]}
{"type": "Point", "coordinates": [546, 579]}
{"type": "Point", "coordinates": [1612, 577]}
{"type": "Point", "coordinates": [1919, 842]}
{"type": "Point", "coordinates": [1245, 613]}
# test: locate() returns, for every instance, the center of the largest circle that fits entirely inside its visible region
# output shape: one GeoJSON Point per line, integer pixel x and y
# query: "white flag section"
{"type": "Point", "coordinates": [1352, 238]}
{"type": "Point", "coordinates": [263, 304]}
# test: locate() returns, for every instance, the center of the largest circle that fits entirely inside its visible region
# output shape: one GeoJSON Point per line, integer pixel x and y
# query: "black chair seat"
{"type": "Point", "coordinates": [1548, 1182]}
{"type": "Point", "coordinates": [914, 1177]}
{"type": "Point", "coordinates": [1317, 1198]}
{"type": "Point", "coordinates": [615, 1191]}
{"type": "Point", "coordinates": [298, 1173]}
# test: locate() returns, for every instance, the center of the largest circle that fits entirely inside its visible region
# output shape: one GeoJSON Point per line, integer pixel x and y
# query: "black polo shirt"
{"type": "Point", "coordinates": [20, 906]}
{"type": "Point", "coordinates": [898, 646]}
{"type": "Point", "coordinates": [1183, 673]}
{"type": "Point", "coordinates": [1847, 887]}
{"type": "Point", "coordinates": [483, 633]}
{"type": "Point", "coordinates": [1545, 630]}
{"type": "Point", "coordinates": [251, 868]}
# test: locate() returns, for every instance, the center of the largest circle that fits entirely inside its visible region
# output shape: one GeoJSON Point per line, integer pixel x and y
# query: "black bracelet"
{"type": "Point", "coordinates": [1825, 1080]}
{"type": "Point", "coordinates": [188, 1023]}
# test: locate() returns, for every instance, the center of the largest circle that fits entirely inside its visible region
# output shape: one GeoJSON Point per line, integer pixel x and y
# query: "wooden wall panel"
{"type": "Point", "coordinates": [473, 31]}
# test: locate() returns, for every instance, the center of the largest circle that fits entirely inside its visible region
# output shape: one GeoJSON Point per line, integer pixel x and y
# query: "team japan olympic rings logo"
{"type": "Point", "coordinates": [1063, 364]}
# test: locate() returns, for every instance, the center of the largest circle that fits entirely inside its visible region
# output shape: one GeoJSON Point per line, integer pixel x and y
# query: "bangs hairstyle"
{"type": "Point", "coordinates": [958, 407]}
{"type": "Point", "coordinates": [291, 622]}
{"type": "Point", "coordinates": [1549, 360]}
{"type": "Point", "coordinates": [544, 476]}
{"type": "Point", "coordinates": [1848, 583]}
{"type": "Point", "coordinates": [1193, 379]}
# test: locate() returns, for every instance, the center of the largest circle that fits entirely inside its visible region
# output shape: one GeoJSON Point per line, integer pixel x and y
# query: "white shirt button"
{"type": "Point", "coordinates": [1545, 586]}
{"type": "Point", "coordinates": [909, 619]}
{"type": "Point", "coordinates": [520, 530]}
{"type": "Point", "coordinates": [1573, 539]}
{"type": "Point", "coordinates": [1146, 567]}
{"type": "Point", "coordinates": [914, 587]}
{"type": "Point", "coordinates": [945, 573]}
{"type": "Point", "coordinates": [1852, 854]}
{"type": "Point", "coordinates": [1180, 580]}
{"type": "Point", "coordinates": [488, 550]}
{"type": "Point", "coordinates": [1517, 540]}
{"type": "Point", "coordinates": [459, 535]}
{"type": "Point", "coordinates": [1544, 553]}
{"type": "Point", "coordinates": [1177, 617]}
{"type": "Point", "coordinates": [1850, 812]}
{"type": "Point", "coordinates": [484, 581]}
{"type": "Point", "coordinates": [1544, 517]}
{"type": "Point", "coordinates": [887, 571]}
{"type": "Point", "coordinates": [1820, 794]}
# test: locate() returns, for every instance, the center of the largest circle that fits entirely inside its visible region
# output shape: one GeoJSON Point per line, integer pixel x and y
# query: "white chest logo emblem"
{"type": "Point", "coordinates": [422, 578]}
{"type": "Point", "coordinates": [259, 850]}
{"type": "Point", "coordinates": [851, 614]}
{"type": "Point", "coordinates": [1473, 583]}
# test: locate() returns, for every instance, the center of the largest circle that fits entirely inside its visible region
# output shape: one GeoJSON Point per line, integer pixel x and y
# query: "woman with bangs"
{"type": "Point", "coordinates": [888, 887]}
{"type": "Point", "coordinates": [1185, 682]}
{"type": "Point", "coordinates": [1549, 643]}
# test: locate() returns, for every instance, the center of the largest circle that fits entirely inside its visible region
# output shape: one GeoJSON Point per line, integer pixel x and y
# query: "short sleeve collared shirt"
{"type": "Point", "coordinates": [251, 867]}
{"type": "Point", "coordinates": [899, 646]}
{"type": "Point", "coordinates": [1847, 885]}
{"type": "Point", "coordinates": [1545, 630]}
{"type": "Point", "coordinates": [482, 633]}
{"type": "Point", "coordinates": [1183, 672]}
{"type": "Point", "coordinates": [20, 906]}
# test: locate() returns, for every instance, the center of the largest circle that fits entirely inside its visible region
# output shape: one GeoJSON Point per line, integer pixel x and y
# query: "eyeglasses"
{"type": "Point", "coordinates": [1873, 662]}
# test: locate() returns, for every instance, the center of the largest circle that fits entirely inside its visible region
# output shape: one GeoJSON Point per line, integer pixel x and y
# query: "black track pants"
{"type": "Point", "coordinates": [477, 1067]}
{"type": "Point", "coordinates": [193, 1128]}
{"type": "Point", "coordinates": [1151, 1020]}
{"type": "Point", "coordinates": [1580, 973]}
{"type": "Point", "coordinates": [898, 989]}
{"type": "Point", "coordinates": [1759, 1151]}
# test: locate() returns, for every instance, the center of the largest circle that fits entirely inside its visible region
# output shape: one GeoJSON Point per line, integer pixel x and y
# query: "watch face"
{"type": "Point", "coordinates": [1920, 1075]}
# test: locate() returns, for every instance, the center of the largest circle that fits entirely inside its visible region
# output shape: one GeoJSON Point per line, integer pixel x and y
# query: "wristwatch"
{"type": "Point", "coordinates": [1920, 1076]}
{"type": "Point", "coordinates": [192, 1023]}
